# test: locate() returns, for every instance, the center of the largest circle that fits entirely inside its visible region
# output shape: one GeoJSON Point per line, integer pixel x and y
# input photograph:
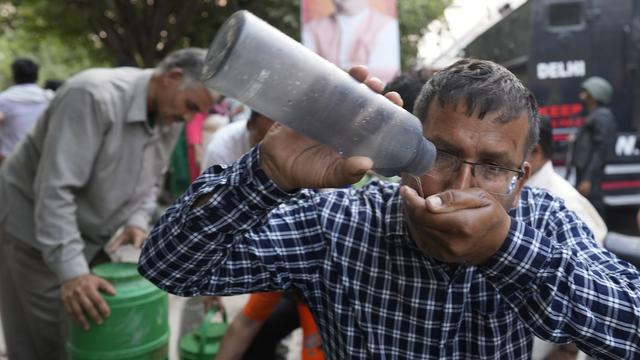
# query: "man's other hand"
{"type": "Point", "coordinates": [80, 297]}
{"type": "Point", "coordinates": [294, 161]}
{"type": "Point", "coordinates": [456, 226]}
{"type": "Point", "coordinates": [130, 235]}
{"type": "Point", "coordinates": [211, 301]}
{"type": "Point", "coordinates": [584, 188]}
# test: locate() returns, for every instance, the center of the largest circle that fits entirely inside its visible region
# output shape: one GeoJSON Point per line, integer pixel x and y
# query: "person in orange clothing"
{"type": "Point", "coordinates": [246, 325]}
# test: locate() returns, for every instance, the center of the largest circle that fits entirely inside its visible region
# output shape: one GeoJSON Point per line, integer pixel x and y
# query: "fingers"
{"type": "Point", "coordinates": [76, 313]}
{"type": "Point", "coordinates": [97, 303]}
{"type": "Point", "coordinates": [444, 212]}
{"type": "Point", "coordinates": [81, 297]}
{"type": "Point", "coordinates": [359, 72]}
{"type": "Point", "coordinates": [412, 199]}
{"type": "Point", "coordinates": [374, 84]}
{"type": "Point", "coordinates": [138, 240]}
{"type": "Point", "coordinates": [73, 308]}
{"type": "Point", "coordinates": [115, 244]}
{"type": "Point", "coordinates": [454, 200]}
{"type": "Point", "coordinates": [130, 235]}
{"type": "Point", "coordinates": [456, 226]}
{"type": "Point", "coordinates": [394, 97]}
{"type": "Point", "coordinates": [88, 303]}
{"type": "Point", "coordinates": [354, 168]}
{"type": "Point", "coordinates": [105, 286]}
{"type": "Point", "coordinates": [418, 211]}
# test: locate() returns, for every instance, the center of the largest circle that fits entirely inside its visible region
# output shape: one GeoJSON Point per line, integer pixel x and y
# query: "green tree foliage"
{"type": "Point", "coordinates": [77, 33]}
{"type": "Point", "coordinates": [58, 57]}
{"type": "Point", "coordinates": [414, 16]}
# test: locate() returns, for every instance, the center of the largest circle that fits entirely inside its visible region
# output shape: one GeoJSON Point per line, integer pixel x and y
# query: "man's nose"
{"type": "Point", "coordinates": [463, 178]}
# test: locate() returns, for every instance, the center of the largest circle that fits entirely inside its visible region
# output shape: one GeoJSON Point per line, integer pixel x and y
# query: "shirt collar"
{"type": "Point", "coordinates": [138, 108]}
{"type": "Point", "coordinates": [542, 176]}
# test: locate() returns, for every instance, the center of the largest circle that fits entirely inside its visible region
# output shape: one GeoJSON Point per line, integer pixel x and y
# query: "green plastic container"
{"type": "Point", "coordinates": [204, 342]}
{"type": "Point", "coordinates": [138, 328]}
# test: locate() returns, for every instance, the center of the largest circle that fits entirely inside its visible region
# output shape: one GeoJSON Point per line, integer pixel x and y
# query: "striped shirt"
{"type": "Point", "coordinates": [373, 294]}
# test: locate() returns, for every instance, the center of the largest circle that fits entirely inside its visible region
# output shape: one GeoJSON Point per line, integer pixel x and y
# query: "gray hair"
{"type": "Point", "coordinates": [484, 87]}
{"type": "Point", "coordinates": [190, 61]}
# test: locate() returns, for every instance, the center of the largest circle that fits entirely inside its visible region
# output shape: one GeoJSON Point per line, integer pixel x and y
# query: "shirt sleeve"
{"type": "Point", "coordinates": [141, 218]}
{"type": "Point", "coordinates": [76, 129]}
{"type": "Point", "coordinates": [244, 239]}
{"type": "Point", "coordinates": [145, 211]}
{"type": "Point", "coordinates": [567, 288]}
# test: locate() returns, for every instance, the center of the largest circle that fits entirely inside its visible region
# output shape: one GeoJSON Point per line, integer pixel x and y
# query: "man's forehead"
{"type": "Point", "coordinates": [437, 112]}
{"type": "Point", "coordinates": [454, 127]}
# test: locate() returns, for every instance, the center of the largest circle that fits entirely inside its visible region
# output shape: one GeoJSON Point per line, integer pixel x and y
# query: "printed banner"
{"type": "Point", "coordinates": [354, 32]}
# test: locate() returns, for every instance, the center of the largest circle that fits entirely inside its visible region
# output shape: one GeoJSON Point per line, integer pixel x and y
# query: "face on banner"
{"type": "Point", "coordinates": [354, 32]}
{"type": "Point", "coordinates": [350, 7]}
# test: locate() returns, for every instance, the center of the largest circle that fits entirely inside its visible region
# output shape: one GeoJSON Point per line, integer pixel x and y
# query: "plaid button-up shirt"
{"type": "Point", "coordinates": [373, 294]}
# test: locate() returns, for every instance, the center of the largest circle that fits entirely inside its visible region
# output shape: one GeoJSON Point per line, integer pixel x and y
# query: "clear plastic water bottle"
{"type": "Point", "coordinates": [275, 75]}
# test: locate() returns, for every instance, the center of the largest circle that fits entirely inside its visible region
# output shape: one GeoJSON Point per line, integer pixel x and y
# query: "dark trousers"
{"type": "Point", "coordinates": [282, 321]}
{"type": "Point", "coordinates": [32, 315]}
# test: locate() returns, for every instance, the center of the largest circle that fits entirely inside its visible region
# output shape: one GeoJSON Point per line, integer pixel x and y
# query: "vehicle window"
{"type": "Point", "coordinates": [566, 14]}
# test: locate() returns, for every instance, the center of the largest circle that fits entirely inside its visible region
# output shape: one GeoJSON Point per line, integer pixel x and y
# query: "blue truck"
{"type": "Point", "coordinates": [553, 46]}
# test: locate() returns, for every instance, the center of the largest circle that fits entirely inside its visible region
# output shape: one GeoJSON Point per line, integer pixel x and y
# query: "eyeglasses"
{"type": "Point", "coordinates": [493, 178]}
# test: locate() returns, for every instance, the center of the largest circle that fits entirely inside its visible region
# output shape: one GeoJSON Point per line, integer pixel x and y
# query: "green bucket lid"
{"type": "Point", "coordinates": [115, 272]}
{"type": "Point", "coordinates": [128, 283]}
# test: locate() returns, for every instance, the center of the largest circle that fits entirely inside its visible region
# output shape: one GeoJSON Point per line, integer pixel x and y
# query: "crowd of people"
{"type": "Point", "coordinates": [500, 249]}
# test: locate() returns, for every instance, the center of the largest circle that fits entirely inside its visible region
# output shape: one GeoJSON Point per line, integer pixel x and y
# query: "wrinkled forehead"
{"type": "Point", "coordinates": [455, 125]}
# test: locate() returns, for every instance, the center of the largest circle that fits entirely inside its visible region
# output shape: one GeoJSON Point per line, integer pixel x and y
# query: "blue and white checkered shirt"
{"type": "Point", "coordinates": [373, 294]}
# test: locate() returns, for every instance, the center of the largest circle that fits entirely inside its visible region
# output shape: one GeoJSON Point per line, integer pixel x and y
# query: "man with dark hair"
{"type": "Point", "coordinates": [20, 105]}
{"type": "Point", "coordinates": [408, 85]}
{"type": "Point", "coordinates": [472, 271]}
{"type": "Point", "coordinates": [53, 84]}
{"type": "Point", "coordinates": [25, 71]}
{"type": "Point", "coordinates": [91, 165]}
{"type": "Point", "coordinates": [593, 143]}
